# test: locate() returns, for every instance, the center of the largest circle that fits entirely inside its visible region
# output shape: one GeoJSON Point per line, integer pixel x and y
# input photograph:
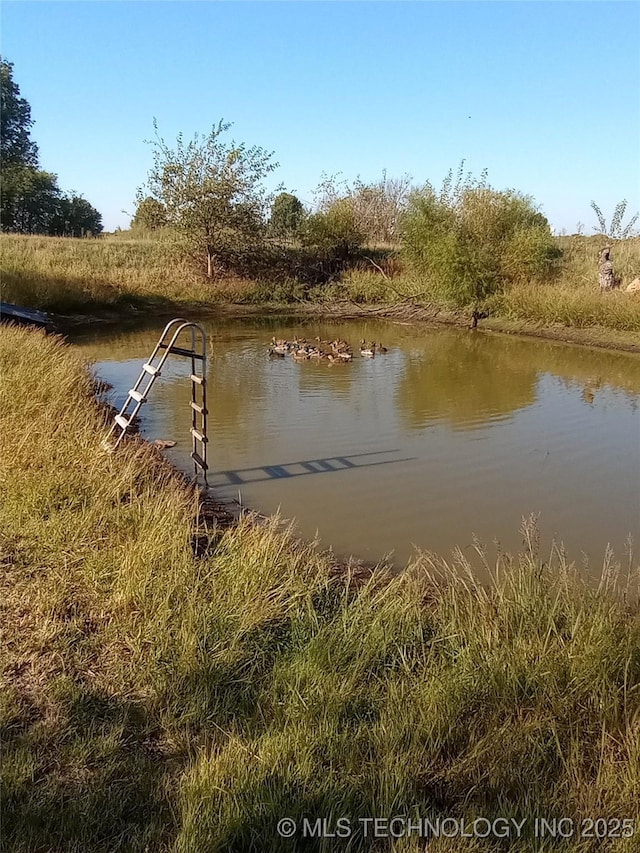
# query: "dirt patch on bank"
{"type": "Point", "coordinates": [433, 314]}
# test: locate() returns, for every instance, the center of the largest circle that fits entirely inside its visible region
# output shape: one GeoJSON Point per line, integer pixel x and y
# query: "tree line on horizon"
{"type": "Point", "coordinates": [467, 239]}
{"type": "Point", "coordinates": [31, 202]}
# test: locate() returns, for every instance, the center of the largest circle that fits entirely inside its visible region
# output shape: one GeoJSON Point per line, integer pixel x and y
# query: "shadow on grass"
{"type": "Point", "coordinates": [266, 802]}
{"type": "Point", "coordinates": [88, 775]}
{"type": "Point", "coordinates": [85, 771]}
{"type": "Point", "coordinates": [60, 295]}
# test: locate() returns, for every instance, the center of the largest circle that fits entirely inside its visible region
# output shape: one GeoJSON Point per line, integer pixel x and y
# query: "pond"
{"type": "Point", "coordinates": [452, 434]}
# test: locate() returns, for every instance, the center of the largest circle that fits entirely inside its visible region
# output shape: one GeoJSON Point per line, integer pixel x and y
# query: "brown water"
{"type": "Point", "coordinates": [450, 434]}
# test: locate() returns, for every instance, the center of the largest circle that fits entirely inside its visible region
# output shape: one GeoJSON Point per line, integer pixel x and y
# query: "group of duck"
{"type": "Point", "coordinates": [335, 352]}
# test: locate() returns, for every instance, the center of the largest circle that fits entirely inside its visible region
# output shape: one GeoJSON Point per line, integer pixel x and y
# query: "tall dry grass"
{"type": "Point", "coordinates": [66, 274]}
{"type": "Point", "coordinates": [574, 299]}
{"type": "Point", "coordinates": [571, 297]}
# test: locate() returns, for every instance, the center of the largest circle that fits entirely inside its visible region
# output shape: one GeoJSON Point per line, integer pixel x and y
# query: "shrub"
{"type": "Point", "coordinates": [334, 232]}
{"type": "Point", "coordinates": [212, 193]}
{"type": "Point", "coordinates": [470, 241]}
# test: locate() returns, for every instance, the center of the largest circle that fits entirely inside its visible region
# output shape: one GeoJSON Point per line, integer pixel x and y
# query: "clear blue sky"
{"type": "Point", "coordinates": [545, 95]}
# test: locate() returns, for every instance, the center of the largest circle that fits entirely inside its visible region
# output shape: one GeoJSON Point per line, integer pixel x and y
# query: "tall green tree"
{"type": "Point", "coordinates": [212, 192]}
{"type": "Point", "coordinates": [84, 217]}
{"type": "Point", "coordinates": [34, 204]}
{"type": "Point", "coordinates": [287, 215]}
{"type": "Point", "coordinates": [39, 203]}
{"type": "Point", "coordinates": [18, 154]}
{"type": "Point", "coordinates": [31, 202]}
{"type": "Point", "coordinates": [75, 217]}
{"type": "Point", "coordinates": [16, 147]}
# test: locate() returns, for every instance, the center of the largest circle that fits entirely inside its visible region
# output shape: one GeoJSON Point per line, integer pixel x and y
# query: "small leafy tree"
{"type": "Point", "coordinates": [470, 240]}
{"type": "Point", "coordinates": [334, 232]}
{"type": "Point", "coordinates": [150, 215]}
{"type": "Point", "coordinates": [287, 215]}
{"type": "Point", "coordinates": [615, 231]}
{"type": "Point", "coordinates": [212, 193]}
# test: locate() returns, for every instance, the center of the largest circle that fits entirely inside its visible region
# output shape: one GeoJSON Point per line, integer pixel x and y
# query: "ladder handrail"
{"type": "Point", "coordinates": [176, 334]}
{"type": "Point", "coordinates": [198, 432]}
{"type": "Point", "coordinates": [158, 367]}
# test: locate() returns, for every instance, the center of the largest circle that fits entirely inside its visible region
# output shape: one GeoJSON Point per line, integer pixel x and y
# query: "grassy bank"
{"type": "Point", "coordinates": [66, 275]}
{"type": "Point", "coordinates": [571, 298]}
{"type": "Point", "coordinates": [155, 700]}
{"type": "Point", "coordinates": [123, 275]}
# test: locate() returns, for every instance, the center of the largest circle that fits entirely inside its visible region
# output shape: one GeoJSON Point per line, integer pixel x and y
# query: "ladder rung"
{"type": "Point", "coordinates": [197, 408]}
{"type": "Point", "coordinates": [150, 369]}
{"type": "Point", "coordinates": [182, 351]}
{"type": "Point", "coordinates": [199, 461]}
{"type": "Point", "coordinates": [137, 396]}
{"type": "Point", "coordinates": [199, 380]}
{"type": "Point", "coordinates": [122, 421]}
{"type": "Point", "coordinates": [199, 435]}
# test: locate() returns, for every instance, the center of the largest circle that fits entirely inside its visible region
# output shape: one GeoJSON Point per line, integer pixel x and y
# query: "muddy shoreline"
{"type": "Point", "coordinates": [406, 312]}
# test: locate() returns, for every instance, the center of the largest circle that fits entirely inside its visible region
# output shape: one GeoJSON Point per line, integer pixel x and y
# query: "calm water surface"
{"type": "Point", "coordinates": [450, 434]}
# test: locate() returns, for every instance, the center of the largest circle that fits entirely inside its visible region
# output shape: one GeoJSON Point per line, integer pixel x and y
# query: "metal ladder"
{"type": "Point", "coordinates": [151, 371]}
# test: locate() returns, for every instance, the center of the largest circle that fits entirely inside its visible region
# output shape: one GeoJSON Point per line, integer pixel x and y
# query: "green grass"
{"type": "Point", "coordinates": [154, 700]}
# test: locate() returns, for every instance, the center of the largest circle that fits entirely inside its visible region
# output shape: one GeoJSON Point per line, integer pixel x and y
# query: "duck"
{"type": "Point", "coordinates": [339, 357]}
{"type": "Point", "coordinates": [323, 343]}
{"type": "Point", "coordinates": [367, 350]}
{"type": "Point", "coordinates": [477, 315]}
{"type": "Point", "coordinates": [380, 348]}
{"type": "Point", "coordinates": [301, 353]}
{"type": "Point", "coordinates": [279, 346]}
